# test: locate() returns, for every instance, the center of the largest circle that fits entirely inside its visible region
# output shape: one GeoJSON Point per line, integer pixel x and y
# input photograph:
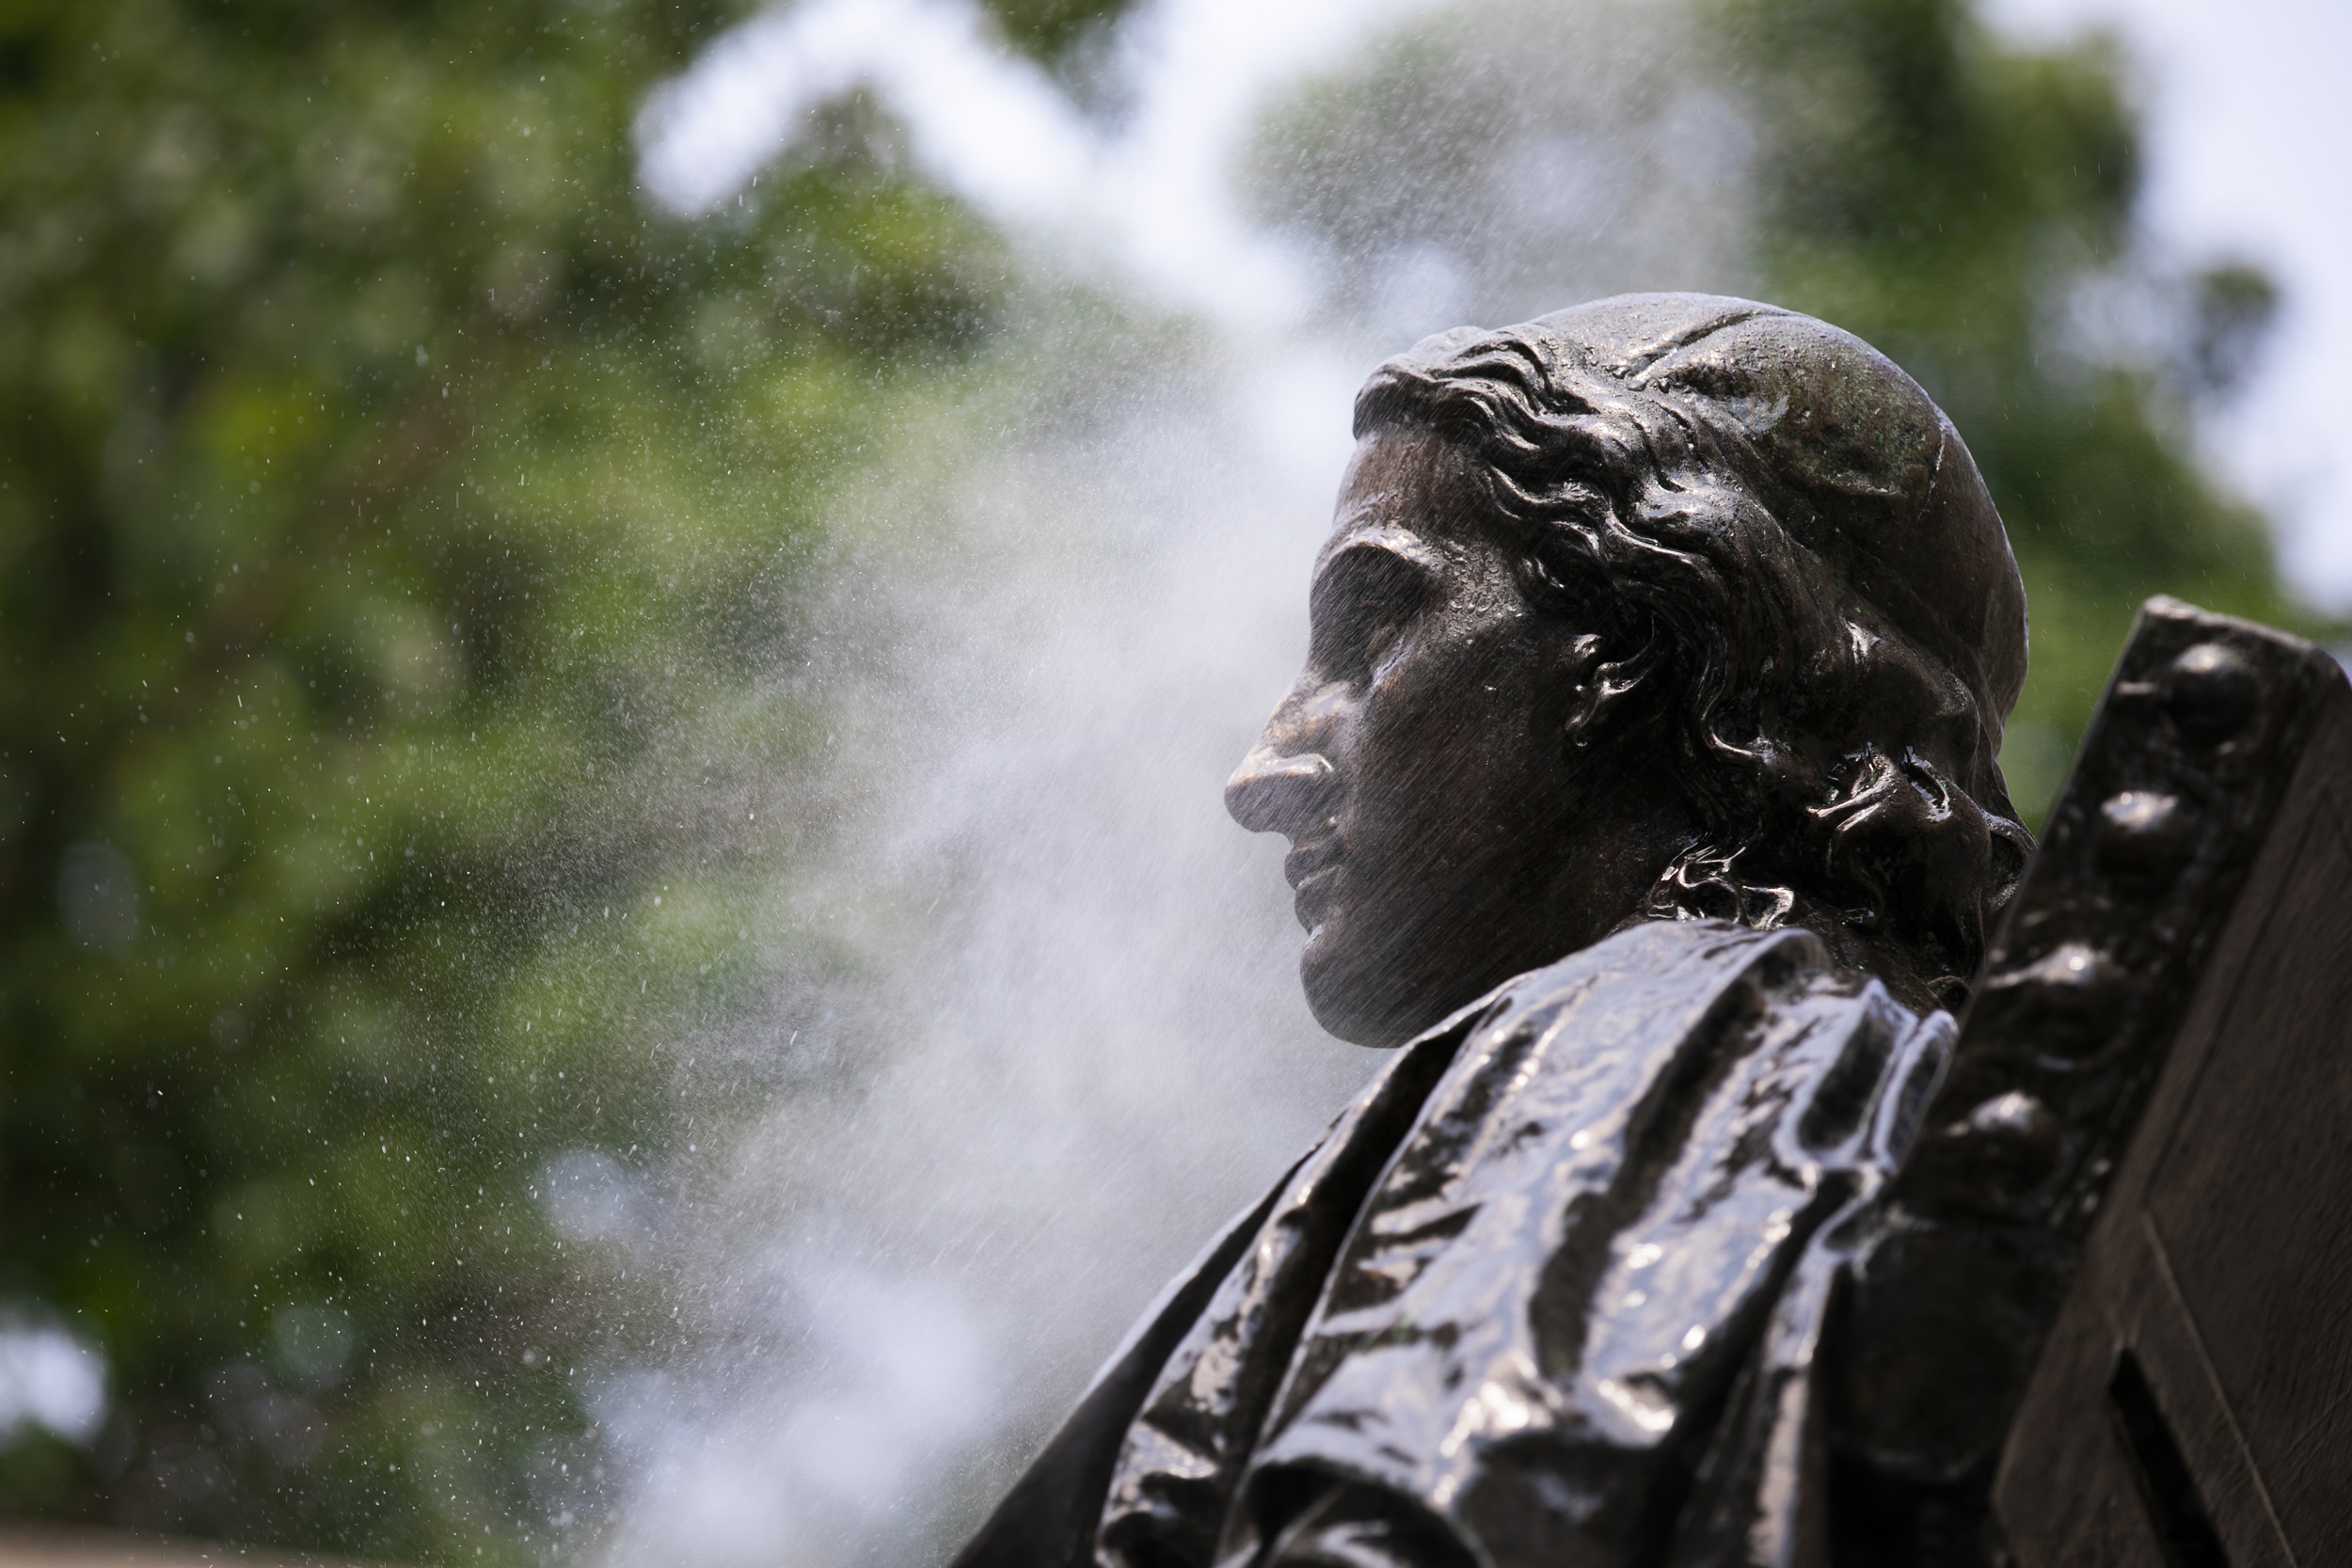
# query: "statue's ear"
{"type": "Point", "coordinates": [1601, 673]}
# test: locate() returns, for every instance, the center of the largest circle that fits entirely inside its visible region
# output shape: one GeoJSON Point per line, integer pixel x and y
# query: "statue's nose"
{"type": "Point", "coordinates": [1283, 792]}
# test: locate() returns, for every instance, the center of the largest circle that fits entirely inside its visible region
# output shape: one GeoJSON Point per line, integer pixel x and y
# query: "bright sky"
{"type": "Point", "coordinates": [2250, 155]}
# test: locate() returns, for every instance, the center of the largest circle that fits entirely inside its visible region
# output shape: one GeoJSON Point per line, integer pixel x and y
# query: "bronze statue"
{"type": "Point", "coordinates": [1640, 787]}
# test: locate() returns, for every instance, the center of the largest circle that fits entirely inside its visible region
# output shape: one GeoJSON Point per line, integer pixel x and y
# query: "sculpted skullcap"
{"type": "Point", "coordinates": [1855, 460]}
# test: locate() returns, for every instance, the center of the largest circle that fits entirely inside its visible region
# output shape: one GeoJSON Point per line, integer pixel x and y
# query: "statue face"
{"type": "Point", "coordinates": [1448, 829]}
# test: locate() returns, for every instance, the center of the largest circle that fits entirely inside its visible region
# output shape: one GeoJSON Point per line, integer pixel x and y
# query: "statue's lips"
{"type": "Point", "coordinates": [1312, 869]}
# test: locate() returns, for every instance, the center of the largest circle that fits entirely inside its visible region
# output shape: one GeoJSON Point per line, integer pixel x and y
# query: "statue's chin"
{"type": "Point", "coordinates": [1354, 997]}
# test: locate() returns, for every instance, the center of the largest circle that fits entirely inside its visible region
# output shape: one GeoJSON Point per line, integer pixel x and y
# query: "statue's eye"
{"type": "Point", "coordinates": [1364, 601]}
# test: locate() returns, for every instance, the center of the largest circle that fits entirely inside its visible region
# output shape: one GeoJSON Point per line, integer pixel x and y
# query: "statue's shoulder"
{"type": "Point", "coordinates": [1653, 1019]}
{"type": "Point", "coordinates": [1587, 1223]}
{"type": "Point", "coordinates": [1668, 978]}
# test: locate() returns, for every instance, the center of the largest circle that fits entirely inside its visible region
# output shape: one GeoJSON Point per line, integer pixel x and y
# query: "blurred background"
{"type": "Point", "coordinates": [622, 621]}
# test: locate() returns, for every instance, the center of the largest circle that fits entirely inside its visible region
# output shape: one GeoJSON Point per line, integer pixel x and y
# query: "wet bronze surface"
{"type": "Point", "coordinates": [1640, 787]}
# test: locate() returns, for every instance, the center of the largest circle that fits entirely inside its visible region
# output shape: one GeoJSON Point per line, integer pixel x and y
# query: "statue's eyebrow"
{"type": "Point", "coordinates": [1383, 537]}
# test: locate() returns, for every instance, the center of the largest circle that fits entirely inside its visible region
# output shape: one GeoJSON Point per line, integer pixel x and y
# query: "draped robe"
{"type": "Point", "coordinates": [1547, 1292]}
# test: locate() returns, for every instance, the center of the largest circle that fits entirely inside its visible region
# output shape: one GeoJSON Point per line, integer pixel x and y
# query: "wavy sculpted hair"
{"type": "Point", "coordinates": [1803, 581]}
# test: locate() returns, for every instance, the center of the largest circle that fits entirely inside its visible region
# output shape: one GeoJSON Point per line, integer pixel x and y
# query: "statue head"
{"type": "Point", "coordinates": [1664, 606]}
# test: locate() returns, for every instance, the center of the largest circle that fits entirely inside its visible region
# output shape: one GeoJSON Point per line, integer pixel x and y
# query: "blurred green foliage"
{"type": "Point", "coordinates": [390, 499]}
{"type": "Point", "coordinates": [1054, 29]}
